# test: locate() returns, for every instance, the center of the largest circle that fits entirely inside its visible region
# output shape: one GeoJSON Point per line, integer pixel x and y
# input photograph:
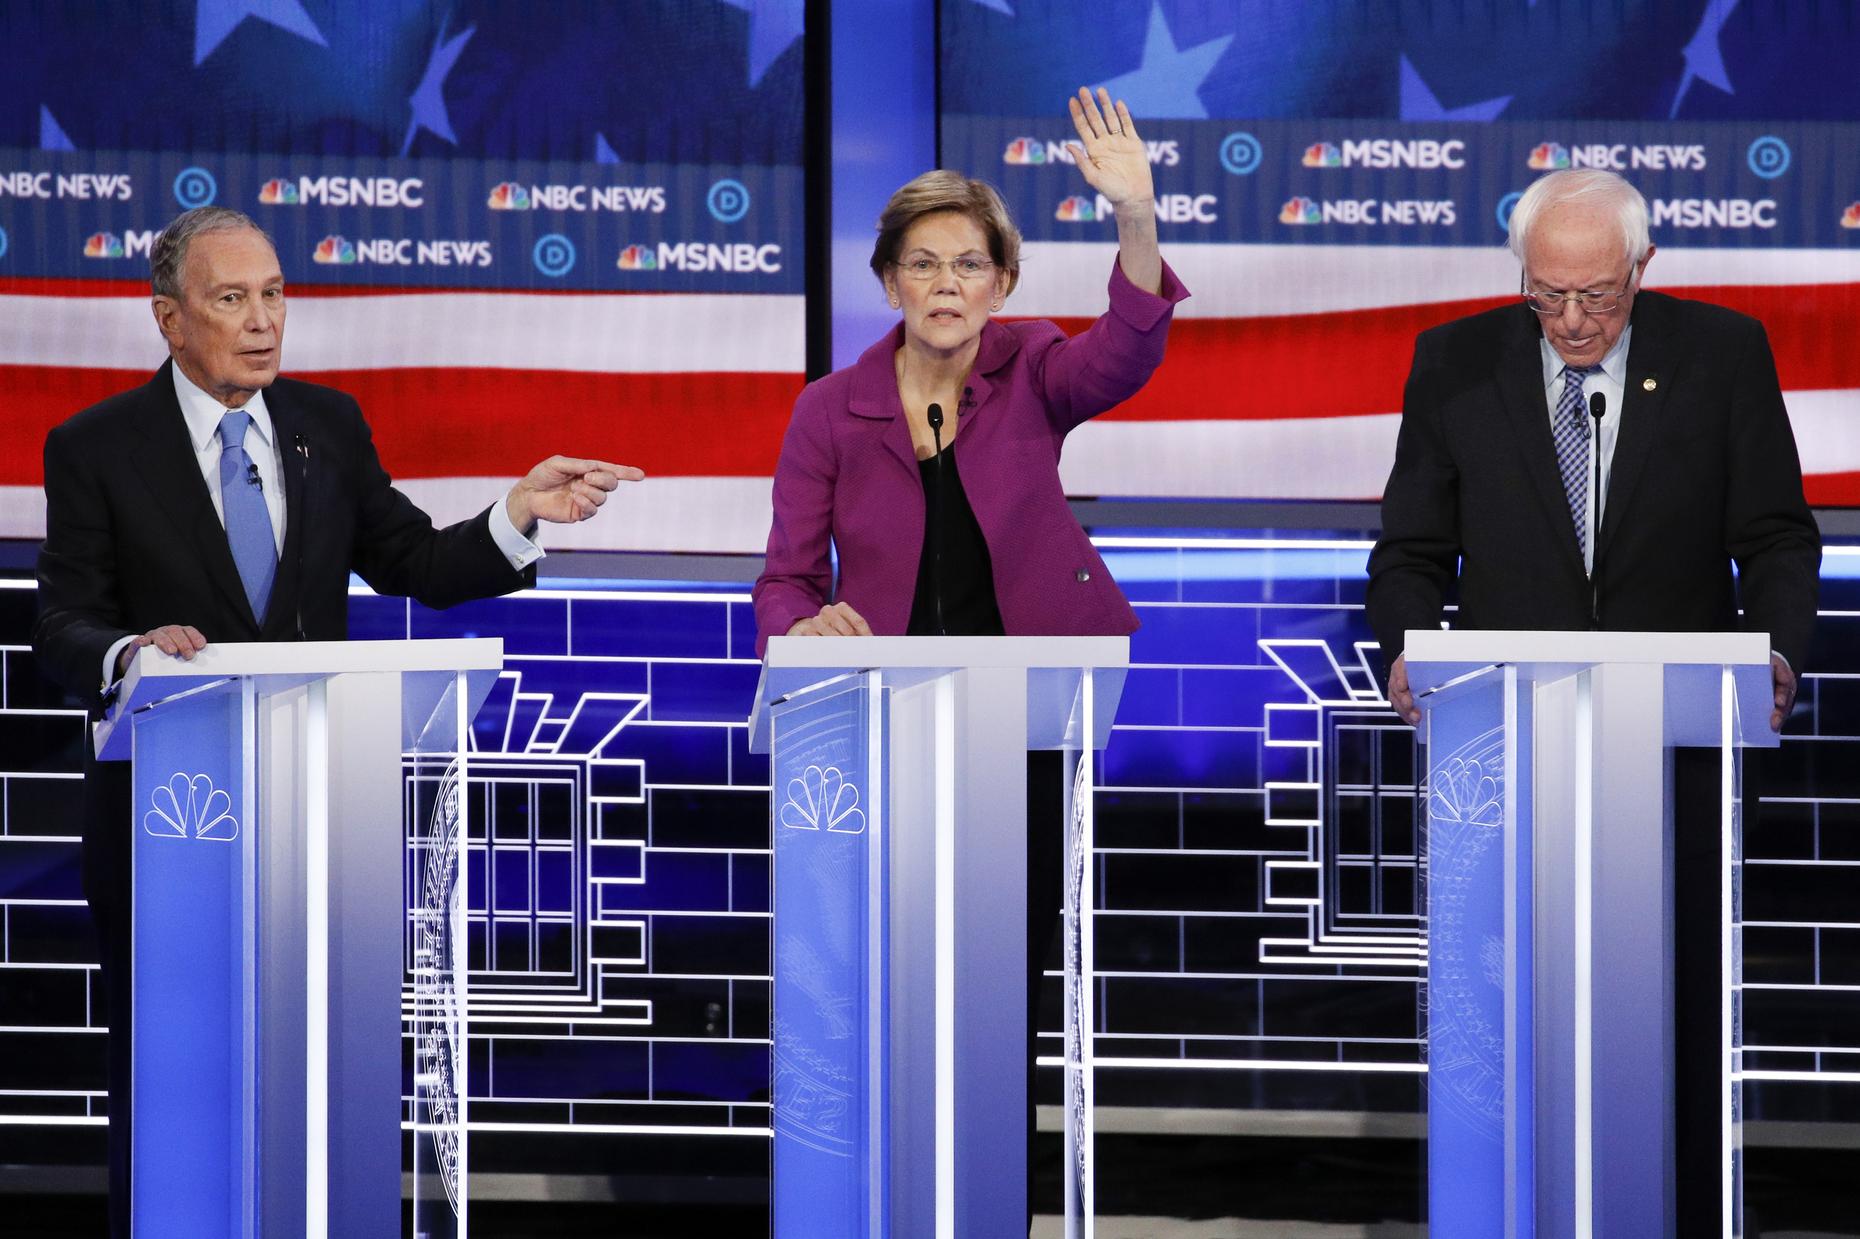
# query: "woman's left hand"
{"type": "Point", "coordinates": [1109, 152]}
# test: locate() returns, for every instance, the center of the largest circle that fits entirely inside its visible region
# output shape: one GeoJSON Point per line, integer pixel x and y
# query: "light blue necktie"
{"type": "Point", "coordinates": [1572, 449]}
{"type": "Point", "coordinates": [248, 521]}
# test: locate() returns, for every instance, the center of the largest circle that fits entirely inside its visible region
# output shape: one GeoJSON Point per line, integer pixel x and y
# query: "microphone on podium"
{"type": "Point", "coordinates": [1598, 406]}
{"type": "Point", "coordinates": [935, 514]}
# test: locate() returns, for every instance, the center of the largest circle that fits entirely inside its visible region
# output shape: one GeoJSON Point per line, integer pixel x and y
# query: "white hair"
{"type": "Point", "coordinates": [1589, 187]}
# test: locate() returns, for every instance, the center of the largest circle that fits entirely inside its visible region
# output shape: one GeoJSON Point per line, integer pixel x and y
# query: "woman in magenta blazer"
{"type": "Point", "coordinates": [988, 547]}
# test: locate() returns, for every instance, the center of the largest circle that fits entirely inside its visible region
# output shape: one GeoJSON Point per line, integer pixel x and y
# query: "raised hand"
{"type": "Point", "coordinates": [1109, 152]}
{"type": "Point", "coordinates": [564, 490]}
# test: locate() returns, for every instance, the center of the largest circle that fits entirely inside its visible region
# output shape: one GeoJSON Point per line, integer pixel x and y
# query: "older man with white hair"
{"type": "Point", "coordinates": [1696, 510]}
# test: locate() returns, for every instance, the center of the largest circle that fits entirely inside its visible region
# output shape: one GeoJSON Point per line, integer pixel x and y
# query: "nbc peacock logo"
{"type": "Point", "coordinates": [1301, 210]}
{"type": "Point", "coordinates": [334, 250]}
{"type": "Point", "coordinates": [509, 196]}
{"type": "Point", "coordinates": [638, 258]}
{"type": "Point", "coordinates": [1851, 217]}
{"type": "Point", "coordinates": [103, 245]}
{"type": "Point", "coordinates": [190, 807]}
{"type": "Point", "coordinates": [1076, 210]}
{"type": "Point", "coordinates": [1323, 155]}
{"type": "Point", "coordinates": [279, 192]}
{"type": "Point", "coordinates": [1024, 152]}
{"type": "Point", "coordinates": [1549, 156]}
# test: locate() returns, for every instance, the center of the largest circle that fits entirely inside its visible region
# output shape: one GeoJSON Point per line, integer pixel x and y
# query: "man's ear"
{"type": "Point", "coordinates": [166, 311]}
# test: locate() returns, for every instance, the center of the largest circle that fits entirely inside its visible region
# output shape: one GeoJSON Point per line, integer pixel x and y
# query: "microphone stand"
{"type": "Point", "coordinates": [1598, 405]}
{"type": "Point", "coordinates": [935, 413]}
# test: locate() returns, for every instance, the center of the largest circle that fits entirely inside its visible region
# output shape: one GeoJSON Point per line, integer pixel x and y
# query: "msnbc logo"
{"type": "Point", "coordinates": [334, 249]}
{"type": "Point", "coordinates": [1549, 155]}
{"type": "Point", "coordinates": [1075, 210]}
{"type": "Point", "coordinates": [1323, 155]}
{"type": "Point", "coordinates": [638, 258]}
{"type": "Point", "coordinates": [509, 196]}
{"type": "Point", "coordinates": [276, 192]}
{"type": "Point", "coordinates": [103, 245]}
{"type": "Point", "coordinates": [1300, 210]}
{"type": "Point", "coordinates": [1851, 217]}
{"type": "Point", "coordinates": [1024, 151]}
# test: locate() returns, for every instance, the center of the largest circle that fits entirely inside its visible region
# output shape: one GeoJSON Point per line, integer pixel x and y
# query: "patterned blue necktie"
{"type": "Point", "coordinates": [248, 521]}
{"type": "Point", "coordinates": [1572, 450]}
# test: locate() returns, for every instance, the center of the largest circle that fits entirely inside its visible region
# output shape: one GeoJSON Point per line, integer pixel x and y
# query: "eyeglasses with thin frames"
{"type": "Point", "coordinates": [965, 267]}
{"type": "Point", "coordinates": [1592, 300]}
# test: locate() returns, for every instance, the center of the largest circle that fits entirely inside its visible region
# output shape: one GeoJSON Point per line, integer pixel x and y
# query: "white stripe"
{"type": "Point", "coordinates": [589, 333]}
{"type": "Point", "coordinates": [1067, 278]}
{"type": "Point", "coordinates": [1291, 458]}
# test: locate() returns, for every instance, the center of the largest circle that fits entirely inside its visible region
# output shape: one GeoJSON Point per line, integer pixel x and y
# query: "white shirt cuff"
{"type": "Point", "coordinates": [519, 550]}
{"type": "Point", "coordinates": [109, 659]}
{"type": "Point", "coordinates": [1785, 662]}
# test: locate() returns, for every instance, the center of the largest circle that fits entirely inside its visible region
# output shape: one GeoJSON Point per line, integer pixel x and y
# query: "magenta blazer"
{"type": "Point", "coordinates": [848, 476]}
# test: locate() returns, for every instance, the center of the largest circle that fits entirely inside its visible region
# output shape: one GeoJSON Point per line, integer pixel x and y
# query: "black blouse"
{"type": "Point", "coordinates": [955, 561]}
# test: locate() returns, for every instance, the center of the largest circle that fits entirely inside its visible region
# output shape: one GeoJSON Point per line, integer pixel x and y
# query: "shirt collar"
{"type": "Point", "coordinates": [1614, 365]}
{"type": "Point", "coordinates": [203, 413]}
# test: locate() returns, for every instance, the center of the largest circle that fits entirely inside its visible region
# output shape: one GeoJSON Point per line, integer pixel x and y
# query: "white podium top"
{"type": "Point", "coordinates": [795, 663]}
{"type": "Point", "coordinates": [154, 676]}
{"type": "Point", "coordinates": [1437, 660]}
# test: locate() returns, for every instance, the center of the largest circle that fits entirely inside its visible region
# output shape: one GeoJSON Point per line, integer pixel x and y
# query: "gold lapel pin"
{"type": "Point", "coordinates": [1649, 384]}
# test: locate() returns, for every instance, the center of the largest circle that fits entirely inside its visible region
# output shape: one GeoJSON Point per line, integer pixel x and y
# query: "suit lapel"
{"type": "Point", "coordinates": [172, 473]}
{"type": "Point", "coordinates": [1521, 381]}
{"type": "Point", "coordinates": [1651, 360]}
{"type": "Point", "coordinates": [875, 395]}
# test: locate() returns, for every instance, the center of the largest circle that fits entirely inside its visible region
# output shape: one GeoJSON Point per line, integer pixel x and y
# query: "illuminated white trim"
{"type": "Point", "coordinates": [316, 962]}
{"type": "Point", "coordinates": [52, 1120]}
{"type": "Point", "coordinates": [1583, 863]}
{"type": "Point", "coordinates": [1807, 1077]}
{"type": "Point", "coordinates": [1153, 542]}
{"type": "Point", "coordinates": [1238, 1064]}
{"type": "Point", "coordinates": [944, 796]}
{"type": "Point", "coordinates": [1728, 964]}
{"type": "Point", "coordinates": [606, 1129]}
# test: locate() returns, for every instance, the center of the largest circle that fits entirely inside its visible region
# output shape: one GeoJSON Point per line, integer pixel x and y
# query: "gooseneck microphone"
{"type": "Point", "coordinates": [935, 414]}
{"type": "Point", "coordinates": [1598, 406]}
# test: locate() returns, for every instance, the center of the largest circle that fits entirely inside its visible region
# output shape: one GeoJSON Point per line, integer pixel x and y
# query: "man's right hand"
{"type": "Point", "coordinates": [835, 620]}
{"type": "Point", "coordinates": [180, 640]}
{"type": "Point", "coordinates": [1399, 694]}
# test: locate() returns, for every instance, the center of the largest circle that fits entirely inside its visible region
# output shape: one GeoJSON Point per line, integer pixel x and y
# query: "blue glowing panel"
{"type": "Point", "coordinates": [823, 1054]}
{"type": "Point", "coordinates": [189, 832]}
{"type": "Point", "coordinates": [1466, 1084]}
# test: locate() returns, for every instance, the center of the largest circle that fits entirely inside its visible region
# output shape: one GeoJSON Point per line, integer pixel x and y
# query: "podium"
{"type": "Point", "coordinates": [1550, 932]}
{"type": "Point", "coordinates": [273, 896]}
{"type": "Point", "coordinates": [900, 1013]}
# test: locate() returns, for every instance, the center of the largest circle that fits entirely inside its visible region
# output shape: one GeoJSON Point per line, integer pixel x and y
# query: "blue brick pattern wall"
{"type": "Point", "coordinates": [1256, 802]}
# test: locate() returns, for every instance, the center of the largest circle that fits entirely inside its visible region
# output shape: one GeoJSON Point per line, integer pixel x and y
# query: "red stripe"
{"type": "Point", "coordinates": [1832, 490]}
{"type": "Point", "coordinates": [447, 422]}
{"type": "Point", "coordinates": [1356, 361]}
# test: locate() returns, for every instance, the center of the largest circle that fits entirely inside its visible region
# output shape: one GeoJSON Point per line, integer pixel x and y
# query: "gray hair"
{"type": "Point", "coordinates": [1589, 187]}
{"type": "Point", "coordinates": [169, 253]}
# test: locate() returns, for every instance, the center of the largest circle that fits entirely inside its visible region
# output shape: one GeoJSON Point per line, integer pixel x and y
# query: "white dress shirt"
{"type": "Point", "coordinates": [202, 413]}
{"type": "Point", "coordinates": [1611, 381]}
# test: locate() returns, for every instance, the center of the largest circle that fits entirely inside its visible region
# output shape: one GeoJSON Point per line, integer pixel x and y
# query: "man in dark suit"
{"type": "Point", "coordinates": [221, 502]}
{"type": "Point", "coordinates": [1494, 490]}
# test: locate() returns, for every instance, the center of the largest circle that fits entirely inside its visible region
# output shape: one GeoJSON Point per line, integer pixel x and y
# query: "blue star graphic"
{"type": "Point", "coordinates": [999, 6]}
{"type": "Point", "coordinates": [428, 99]}
{"type": "Point", "coordinates": [604, 150]}
{"type": "Point", "coordinates": [1419, 103]}
{"type": "Point", "coordinates": [1168, 83]}
{"type": "Point", "coordinates": [215, 19]}
{"type": "Point", "coordinates": [1704, 57]}
{"type": "Point", "coordinates": [52, 135]}
{"type": "Point", "coordinates": [774, 25]}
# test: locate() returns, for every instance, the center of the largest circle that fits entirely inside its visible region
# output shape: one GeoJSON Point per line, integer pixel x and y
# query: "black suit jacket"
{"type": "Point", "coordinates": [132, 541]}
{"type": "Point", "coordinates": [1705, 476]}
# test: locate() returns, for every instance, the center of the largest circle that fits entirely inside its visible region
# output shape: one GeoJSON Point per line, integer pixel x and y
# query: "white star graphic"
{"type": "Point", "coordinates": [1168, 83]}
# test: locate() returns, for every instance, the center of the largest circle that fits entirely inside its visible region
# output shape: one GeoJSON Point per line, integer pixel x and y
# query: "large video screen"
{"type": "Point", "coordinates": [509, 229]}
{"type": "Point", "coordinates": [1333, 177]}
